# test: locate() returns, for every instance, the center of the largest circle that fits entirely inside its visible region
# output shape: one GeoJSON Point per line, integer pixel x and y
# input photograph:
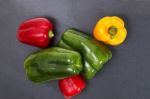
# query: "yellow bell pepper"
{"type": "Point", "coordinates": [110, 30]}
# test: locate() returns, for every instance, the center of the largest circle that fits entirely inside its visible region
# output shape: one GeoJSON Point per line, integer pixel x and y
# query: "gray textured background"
{"type": "Point", "coordinates": [126, 76]}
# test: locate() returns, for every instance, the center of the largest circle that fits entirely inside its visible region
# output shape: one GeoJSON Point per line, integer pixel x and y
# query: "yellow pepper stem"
{"type": "Point", "coordinates": [112, 31]}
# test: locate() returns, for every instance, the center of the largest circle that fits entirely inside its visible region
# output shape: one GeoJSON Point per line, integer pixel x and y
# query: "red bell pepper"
{"type": "Point", "coordinates": [71, 86]}
{"type": "Point", "coordinates": [36, 32]}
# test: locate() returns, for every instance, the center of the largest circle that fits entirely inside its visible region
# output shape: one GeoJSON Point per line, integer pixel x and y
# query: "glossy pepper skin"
{"type": "Point", "coordinates": [71, 86]}
{"type": "Point", "coordinates": [94, 54]}
{"type": "Point", "coordinates": [110, 30]}
{"type": "Point", "coordinates": [36, 32]}
{"type": "Point", "coordinates": [51, 64]}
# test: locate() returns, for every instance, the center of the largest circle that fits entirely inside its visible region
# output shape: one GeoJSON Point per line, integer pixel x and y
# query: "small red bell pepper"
{"type": "Point", "coordinates": [71, 86]}
{"type": "Point", "coordinates": [36, 32]}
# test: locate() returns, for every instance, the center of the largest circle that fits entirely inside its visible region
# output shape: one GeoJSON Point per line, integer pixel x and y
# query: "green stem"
{"type": "Point", "coordinates": [112, 31]}
{"type": "Point", "coordinates": [50, 34]}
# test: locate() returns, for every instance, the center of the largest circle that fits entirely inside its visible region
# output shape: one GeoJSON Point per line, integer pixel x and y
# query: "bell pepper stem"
{"type": "Point", "coordinates": [112, 31]}
{"type": "Point", "coordinates": [50, 34]}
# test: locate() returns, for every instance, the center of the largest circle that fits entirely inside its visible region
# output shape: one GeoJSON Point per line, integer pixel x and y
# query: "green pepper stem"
{"type": "Point", "coordinates": [112, 31]}
{"type": "Point", "coordinates": [50, 34]}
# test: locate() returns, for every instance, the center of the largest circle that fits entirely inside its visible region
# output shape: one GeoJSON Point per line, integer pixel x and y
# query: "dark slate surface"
{"type": "Point", "coordinates": [126, 76]}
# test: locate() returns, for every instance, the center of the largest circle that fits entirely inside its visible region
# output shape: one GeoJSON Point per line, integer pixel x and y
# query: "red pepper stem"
{"type": "Point", "coordinates": [50, 34]}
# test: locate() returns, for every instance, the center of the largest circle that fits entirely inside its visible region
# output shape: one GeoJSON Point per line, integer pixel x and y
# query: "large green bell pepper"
{"type": "Point", "coordinates": [94, 53]}
{"type": "Point", "coordinates": [52, 63]}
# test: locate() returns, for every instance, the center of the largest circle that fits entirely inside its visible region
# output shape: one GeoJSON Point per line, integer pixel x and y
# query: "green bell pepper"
{"type": "Point", "coordinates": [51, 64]}
{"type": "Point", "coordinates": [94, 53]}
